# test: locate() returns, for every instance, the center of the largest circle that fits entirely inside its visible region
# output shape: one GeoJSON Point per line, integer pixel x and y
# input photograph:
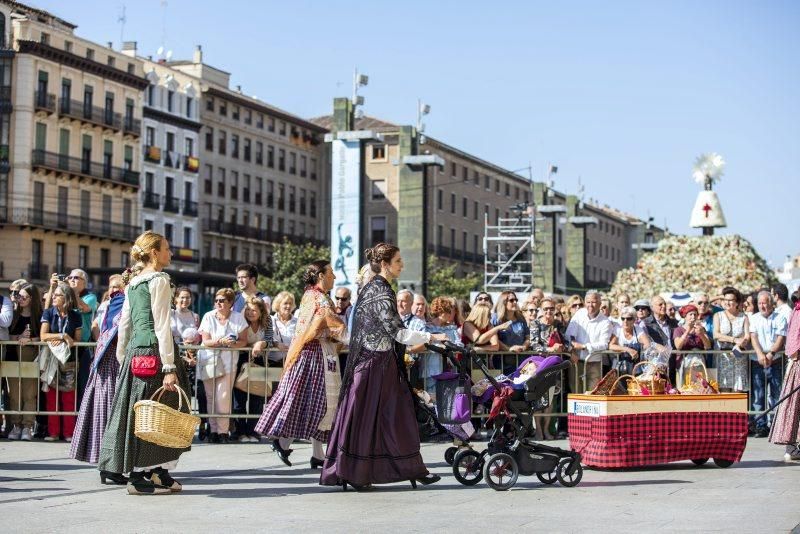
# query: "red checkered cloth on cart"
{"type": "Point", "coordinates": [655, 438]}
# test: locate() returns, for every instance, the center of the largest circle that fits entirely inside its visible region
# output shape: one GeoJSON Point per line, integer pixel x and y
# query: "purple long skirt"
{"type": "Point", "coordinates": [375, 439]}
{"type": "Point", "coordinates": [95, 408]}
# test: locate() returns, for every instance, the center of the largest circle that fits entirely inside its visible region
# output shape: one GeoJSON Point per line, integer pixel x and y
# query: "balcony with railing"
{"type": "Point", "coordinates": [172, 204]}
{"type": "Point", "coordinates": [83, 168]}
{"type": "Point", "coordinates": [188, 255]}
{"type": "Point", "coordinates": [88, 114]}
{"type": "Point", "coordinates": [5, 99]}
{"type": "Point", "coordinates": [190, 208]}
{"type": "Point", "coordinates": [248, 232]}
{"type": "Point", "coordinates": [132, 126]}
{"type": "Point", "coordinates": [152, 200]}
{"type": "Point", "coordinates": [152, 153]}
{"type": "Point", "coordinates": [38, 271]}
{"type": "Point", "coordinates": [191, 164]}
{"type": "Point", "coordinates": [219, 266]}
{"type": "Point", "coordinates": [44, 102]}
{"type": "Point", "coordinates": [5, 165]}
{"type": "Point", "coordinates": [70, 223]}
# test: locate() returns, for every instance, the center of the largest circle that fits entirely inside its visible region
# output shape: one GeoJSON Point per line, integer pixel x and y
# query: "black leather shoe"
{"type": "Point", "coordinates": [283, 454]}
{"type": "Point", "coordinates": [107, 477]}
{"type": "Point", "coordinates": [316, 464]}
{"type": "Point", "coordinates": [430, 478]}
{"type": "Point", "coordinates": [202, 434]}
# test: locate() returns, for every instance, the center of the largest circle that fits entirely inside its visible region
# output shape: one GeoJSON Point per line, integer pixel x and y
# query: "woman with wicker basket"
{"type": "Point", "coordinates": [305, 402]}
{"type": "Point", "coordinates": [144, 347]}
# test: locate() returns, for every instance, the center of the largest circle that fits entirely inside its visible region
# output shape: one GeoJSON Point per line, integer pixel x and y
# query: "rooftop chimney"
{"type": "Point", "coordinates": [239, 89]}
{"type": "Point", "coordinates": [110, 44]}
{"type": "Point", "coordinates": [198, 54]}
{"type": "Point", "coordinates": [129, 48]}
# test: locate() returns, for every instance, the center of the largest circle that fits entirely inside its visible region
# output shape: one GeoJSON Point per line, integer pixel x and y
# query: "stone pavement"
{"type": "Point", "coordinates": [244, 488]}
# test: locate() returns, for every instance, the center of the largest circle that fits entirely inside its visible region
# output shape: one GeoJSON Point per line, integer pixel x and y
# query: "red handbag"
{"type": "Point", "coordinates": [145, 365]}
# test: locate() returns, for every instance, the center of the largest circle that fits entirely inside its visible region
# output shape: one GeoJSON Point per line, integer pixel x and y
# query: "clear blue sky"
{"type": "Point", "coordinates": [623, 94]}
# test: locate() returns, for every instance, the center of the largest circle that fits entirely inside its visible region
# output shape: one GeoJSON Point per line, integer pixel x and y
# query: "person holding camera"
{"type": "Point", "coordinates": [86, 305]}
{"type": "Point", "coordinates": [61, 328]}
{"type": "Point", "coordinates": [221, 328]}
{"type": "Point", "coordinates": [692, 335]}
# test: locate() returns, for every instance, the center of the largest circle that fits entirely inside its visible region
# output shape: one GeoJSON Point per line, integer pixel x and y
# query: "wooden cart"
{"type": "Point", "coordinates": [631, 431]}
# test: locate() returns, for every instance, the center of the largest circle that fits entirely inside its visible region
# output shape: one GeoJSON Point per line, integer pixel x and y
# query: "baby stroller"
{"type": "Point", "coordinates": [511, 450]}
{"type": "Point", "coordinates": [451, 412]}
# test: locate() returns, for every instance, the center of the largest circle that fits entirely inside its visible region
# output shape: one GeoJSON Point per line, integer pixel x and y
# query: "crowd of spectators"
{"type": "Point", "coordinates": [594, 331]}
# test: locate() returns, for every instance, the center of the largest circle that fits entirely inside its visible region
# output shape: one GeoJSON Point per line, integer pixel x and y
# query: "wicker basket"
{"type": "Point", "coordinates": [654, 383]}
{"type": "Point", "coordinates": [165, 426]}
{"type": "Point", "coordinates": [693, 388]}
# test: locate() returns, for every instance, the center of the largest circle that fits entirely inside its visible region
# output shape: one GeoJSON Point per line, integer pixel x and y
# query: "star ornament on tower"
{"type": "Point", "coordinates": [707, 213]}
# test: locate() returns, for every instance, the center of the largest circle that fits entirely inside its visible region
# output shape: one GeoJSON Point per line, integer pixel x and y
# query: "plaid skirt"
{"type": "Point", "coordinates": [95, 408]}
{"type": "Point", "coordinates": [786, 426]}
{"type": "Point", "coordinates": [121, 450]}
{"type": "Point", "coordinates": [299, 404]}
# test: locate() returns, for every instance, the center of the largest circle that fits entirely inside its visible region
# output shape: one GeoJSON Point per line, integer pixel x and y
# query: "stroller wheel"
{"type": "Point", "coordinates": [548, 478]}
{"type": "Point", "coordinates": [450, 455]}
{"type": "Point", "coordinates": [501, 471]}
{"type": "Point", "coordinates": [468, 467]}
{"type": "Point", "coordinates": [722, 463]}
{"type": "Point", "coordinates": [699, 461]}
{"type": "Point", "coordinates": [564, 477]}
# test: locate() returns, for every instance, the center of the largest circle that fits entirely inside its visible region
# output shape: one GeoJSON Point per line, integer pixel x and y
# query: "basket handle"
{"type": "Point", "coordinates": [620, 377]}
{"type": "Point", "coordinates": [703, 365]}
{"type": "Point", "coordinates": [181, 395]}
{"type": "Point", "coordinates": [646, 362]}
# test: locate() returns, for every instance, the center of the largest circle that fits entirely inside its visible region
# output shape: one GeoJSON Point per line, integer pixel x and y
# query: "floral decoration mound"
{"type": "Point", "coordinates": [697, 263]}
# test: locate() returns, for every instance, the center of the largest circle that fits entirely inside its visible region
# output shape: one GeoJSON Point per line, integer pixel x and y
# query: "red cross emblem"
{"type": "Point", "coordinates": [706, 209]}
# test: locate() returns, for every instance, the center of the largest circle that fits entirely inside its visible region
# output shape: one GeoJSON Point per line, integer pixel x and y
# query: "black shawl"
{"type": "Point", "coordinates": [375, 325]}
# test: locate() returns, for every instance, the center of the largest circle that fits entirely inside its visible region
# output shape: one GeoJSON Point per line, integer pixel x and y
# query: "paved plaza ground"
{"type": "Point", "coordinates": [244, 488]}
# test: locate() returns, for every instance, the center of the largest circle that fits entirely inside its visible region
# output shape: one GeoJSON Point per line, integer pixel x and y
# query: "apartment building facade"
{"type": "Point", "coordinates": [576, 245]}
{"type": "Point", "coordinates": [170, 160]}
{"type": "Point", "coordinates": [264, 174]}
{"type": "Point", "coordinates": [72, 192]}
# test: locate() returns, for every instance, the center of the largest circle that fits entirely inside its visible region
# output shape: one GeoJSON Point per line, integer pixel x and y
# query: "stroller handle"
{"type": "Point", "coordinates": [448, 350]}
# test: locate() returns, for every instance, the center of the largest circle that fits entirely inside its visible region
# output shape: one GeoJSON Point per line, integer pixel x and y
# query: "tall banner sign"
{"type": "Point", "coordinates": [346, 211]}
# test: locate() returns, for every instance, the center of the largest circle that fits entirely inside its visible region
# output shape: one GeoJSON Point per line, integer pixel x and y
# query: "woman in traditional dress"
{"type": "Point", "coordinates": [305, 402]}
{"type": "Point", "coordinates": [786, 426]}
{"type": "Point", "coordinates": [99, 394]}
{"type": "Point", "coordinates": [375, 439]}
{"type": "Point", "coordinates": [144, 329]}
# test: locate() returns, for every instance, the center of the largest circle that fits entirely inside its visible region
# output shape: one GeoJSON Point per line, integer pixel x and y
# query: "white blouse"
{"type": "Point", "coordinates": [284, 333]}
{"type": "Point", "coordinates": [235, 325]}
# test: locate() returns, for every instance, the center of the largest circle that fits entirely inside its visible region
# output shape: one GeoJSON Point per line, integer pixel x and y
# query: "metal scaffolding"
{"type": "Point", "coordinates": [508, 249]}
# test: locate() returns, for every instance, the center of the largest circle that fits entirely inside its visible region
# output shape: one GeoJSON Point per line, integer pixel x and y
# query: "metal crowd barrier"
{"type": "Point", "coordinates": [16, 374]}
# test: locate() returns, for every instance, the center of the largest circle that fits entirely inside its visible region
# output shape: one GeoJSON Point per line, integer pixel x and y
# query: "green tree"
{"type": "Point", "coordinates": [443, 280]}
{"type": "Point", "coordinates": [288, 264]}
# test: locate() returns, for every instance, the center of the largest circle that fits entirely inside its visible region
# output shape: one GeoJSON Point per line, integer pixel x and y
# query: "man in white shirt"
{"type": "Point", "coordinates": [588, 332]}
{"type": "Point", "coordinates": [780, 294]}
{"type": "Point", "coordinates": [768, 335]}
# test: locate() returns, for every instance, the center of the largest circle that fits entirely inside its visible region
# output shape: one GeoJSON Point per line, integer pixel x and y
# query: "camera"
{"type": "Point", "coordinates": [61, 277]}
